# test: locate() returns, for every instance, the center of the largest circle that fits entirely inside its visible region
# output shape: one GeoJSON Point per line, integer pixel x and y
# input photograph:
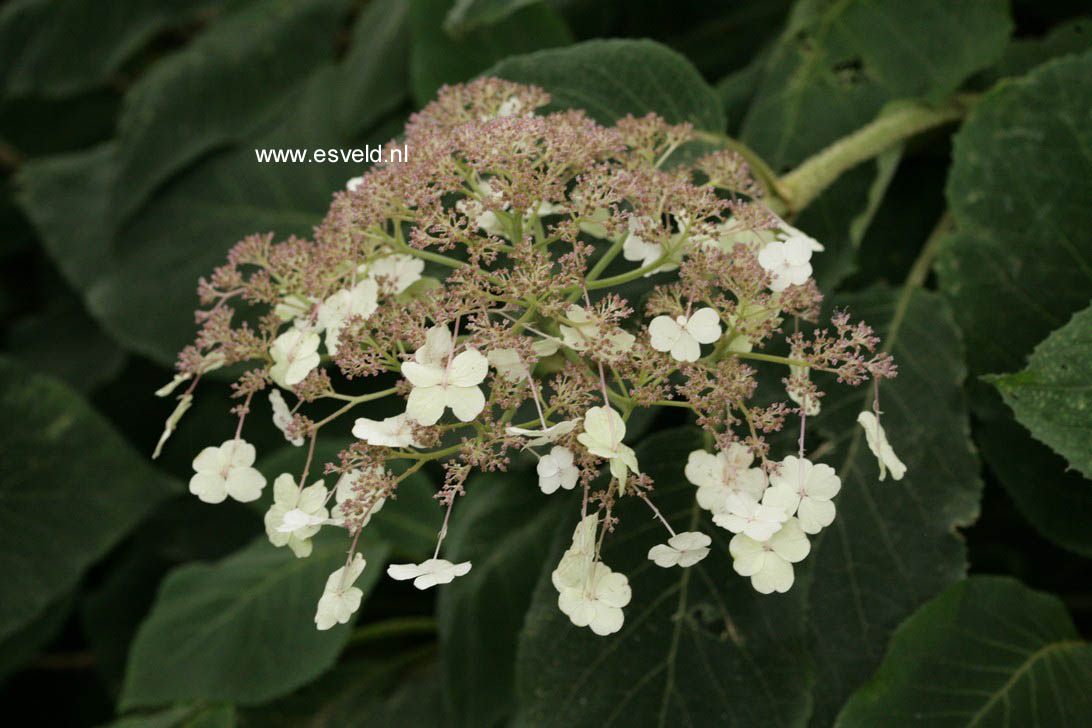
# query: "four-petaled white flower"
{"type": "Point", "coordinates": [225, 471]}
{"type": "Point", "coordinates": [360, 300]}
{"type": "Point", "coordinates": [440, 380]}
{"type": "Point", "coordinates": [396, 272]}
{"type": "Point", "coordinates": [683, 549]}
{"type": "Point", "coordinates": [282, 416]}
{"type": "Point", "coordinates": [880, 447]}
{"type": "Point", "coordinates": [556, 470]}
{"type": "Point", "coordinates": [682, 336]}
{"type": "Point", "coordinates": [545, 435]}
{"type": "Point", "coordinates": [787, 262]}
{"type": "Point", "coordinates": [584, 333]}
{"type": "Point", "coordinates": [296, 515]}
{"type": "Point", "coordinates": [769, 563]}
{"type": "Point", "coordinates": [597, 602]}
{"type": "Point", "coordinates": [344, 490]}
{"type": "Point", "coordinates": [396, 431]}
{"type": "Point", "coordinates": [804, 488]}
{"type": "Point", "coordinates": [295, 354]}
{"type": "Point", "coordinates": [602, 436]}
{"type": "Point", "coordinates": [743, 514]}
{"type": "Point", "coordinates": [721, 475]}
{"type": "Point", "coordinates": [340, 598]}
{"type": "Point", "coordinates": [428, 573]}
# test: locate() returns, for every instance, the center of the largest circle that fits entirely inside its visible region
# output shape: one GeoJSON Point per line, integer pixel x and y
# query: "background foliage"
{"type": "Point", "coordinates": [127, 132]}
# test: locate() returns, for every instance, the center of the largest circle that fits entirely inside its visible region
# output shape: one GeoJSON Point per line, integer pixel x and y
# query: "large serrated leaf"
{"type": "Point", "coordinates": [1052, 397]}
{"type": "Point", "coordinates": [988, 651]}
{"type": "Point", "coordinates": [1020, 262]}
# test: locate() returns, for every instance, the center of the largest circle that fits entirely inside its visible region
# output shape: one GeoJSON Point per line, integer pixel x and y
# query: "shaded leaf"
{"type": "Point", "coordinates": [197, 716]}
{"type": "Point", "coordinates": [468, 14]}
{"type": "Point", "coordinates": [242, 630]}
{"type": "Point", "coordinates": [699, 646]}
{"type": "Point", "coordinates": [612, 78]}
{"type": "Point", "coordinates": [987, 651]}
{"type": "Point", "coordinates": [71, 489]}
{"type": "Point", "coordinates": [1052, 397]}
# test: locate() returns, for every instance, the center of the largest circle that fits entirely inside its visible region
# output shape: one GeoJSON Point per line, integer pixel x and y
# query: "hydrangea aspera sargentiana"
{"type": "Point", "coordinates": [486, 283]}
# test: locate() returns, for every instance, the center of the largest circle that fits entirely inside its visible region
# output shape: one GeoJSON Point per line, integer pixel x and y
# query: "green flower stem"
{"type": "Point", "coordinates": [890, 128]}
{"type": "Point", "coordinates": [396, 627]}
{"type": "Point", "coordinates": [769, 357]}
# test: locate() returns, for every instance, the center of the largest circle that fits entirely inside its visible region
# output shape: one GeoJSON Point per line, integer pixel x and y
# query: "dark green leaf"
{"type": "Point", "coordinates": [1019, 188]}
{"type": "Point", "coordinates": [242, 630]}
{"type": "Point", "coordinates": [503, 525]}
{"type": "Point", "coordinates": [699, 645]}
{"type": "Point", "coordinates": [893, 543]}
{"type": "Point", "coordinates": [987, 651]}
{"type": "Point", "coordinates": [1024, 54]}
{"type": "Point", "coordinates": [437, 58]}
{"type": "Point", "coordinates": [837, 64]}
{"type": "Point", "coordinates": [612, 78]}
{"type": "Point", "coordinates": [31, 638]}
{"type": "Point", "coordinates": [71, 489]}
{"type": "Point", "coordinates": [1020, 263]}
{"type": "Point", "coordinates": [242, 73]}
{"type": "Point", "coordinates": [1052, 397]}
{"type": "Point", "coordinates": [61, 47]}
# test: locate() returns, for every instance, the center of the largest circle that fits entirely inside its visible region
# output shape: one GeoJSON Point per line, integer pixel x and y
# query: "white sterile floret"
{"type": "Point", "coordinates": [428, 573]}
{"type": "Point", "coordinates": [724, 474]}
{"type": "Point", "coordinates": [769, 563]}
{"type": "Point", "coordinates": [340, 598]}
{"type": "Point", "coordinates": [510, 107]}
{"type": "Point", "coordinates": [295, 354]}
{"type": "Point", "coordinates": [787, 262]}
{"type": "Point", "coordinates": [354, 183]}
{"type": "Point", "coordinates": [509, 364]}
{"type": "Point", "coordinates": [545, 435]}
{"type": "Point", "coordinates": [583, 333]}
{"type": "Point", "coordinates": [296, 515]}
{"type": "Point", "coordinates": [635, 248]}
{"type": "Point", "coordinates": [556, 470]}
{"type": "Point", "coordinates": [225, 471]}
{"type": "Point", "coordinates": [597, 602]}
{"type": "Point", "coordinates": [344, 490]}
{"type": "Point", "coordinates": [683, 549]}
{"type": "Point", "coordinates": [184, 403]}
{"type": "Point", "coordinates": [602, 436]}
{"type": "Point", "coordinates": [880, 447]}
{"type": "Point", "coordinates": [360, 300]}
{"type": "Point", "coordinates": [396, 272]}
{"type": "Point", "coordinates": [440, 381]}
{"type": "Point", "coordinates": [682, 336]}
{"type": "Point", "coordinates": [282, 416]}
{"type": "Point", "coordinates": [743, 514]}
{"type": "Point", "coordinates": [396, 431]}
{"type": "Point", "coordinates": [804, 488]}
